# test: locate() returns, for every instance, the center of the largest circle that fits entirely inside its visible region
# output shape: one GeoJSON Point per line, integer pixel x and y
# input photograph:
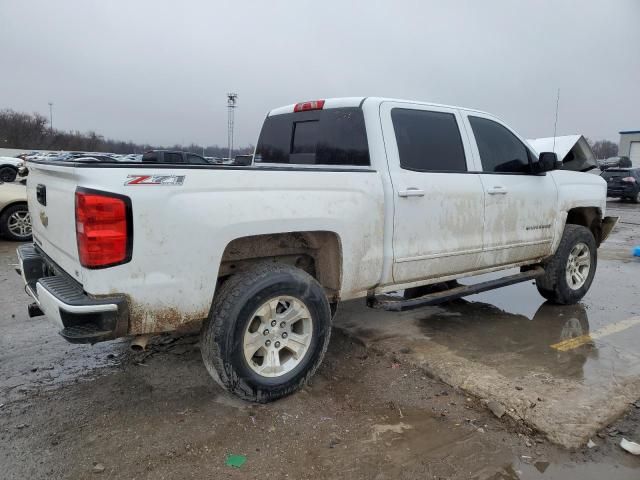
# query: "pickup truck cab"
{"type": "Point", "coordinates": [345, 198]}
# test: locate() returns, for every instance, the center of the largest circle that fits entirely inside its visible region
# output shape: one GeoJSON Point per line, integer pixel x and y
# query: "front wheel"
{"type": "Point", "coordinates": [569, 273]}
{"type": "Point", "coordinates": [267, 332]}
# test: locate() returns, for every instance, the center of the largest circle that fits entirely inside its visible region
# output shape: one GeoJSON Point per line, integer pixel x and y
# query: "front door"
{"type": "Point", "coordinates": [438, 204]}
{"type": "Point", "coordinates": [520, 208]}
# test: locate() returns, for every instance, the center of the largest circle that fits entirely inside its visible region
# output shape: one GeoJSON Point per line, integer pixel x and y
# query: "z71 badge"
{"type": "Point", "coordinates": [154, 180]}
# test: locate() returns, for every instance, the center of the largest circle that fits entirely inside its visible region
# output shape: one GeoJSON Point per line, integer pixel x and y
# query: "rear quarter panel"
{"type": "Point", "coordinates": [181, 232]}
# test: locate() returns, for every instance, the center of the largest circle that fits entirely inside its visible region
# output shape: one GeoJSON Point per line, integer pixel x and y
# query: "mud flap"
{"type": "Point", "coordinates": [607, 225]}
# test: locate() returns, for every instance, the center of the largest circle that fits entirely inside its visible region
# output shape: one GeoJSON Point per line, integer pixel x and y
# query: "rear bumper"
{"type": "Point", "coordinates": [80, 317]}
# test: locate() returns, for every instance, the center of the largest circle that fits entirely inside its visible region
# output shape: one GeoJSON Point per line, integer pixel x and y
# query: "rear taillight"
{"type": "Point", "coordinates": [629, 179]}
{"type": "Point", "coordinates": [103, 229]}
{"type": "Point", "coordinates": [312, 105]}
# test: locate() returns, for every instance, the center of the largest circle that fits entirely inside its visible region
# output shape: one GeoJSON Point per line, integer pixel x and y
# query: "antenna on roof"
{"type": "Point", "coordinates": [555, 125]}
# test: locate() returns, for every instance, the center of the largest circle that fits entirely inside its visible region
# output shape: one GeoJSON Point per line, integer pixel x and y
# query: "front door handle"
{"type": "Point", "coordinates": [411, 192]}
{"type": "Point", "coordinates": [497, 190]}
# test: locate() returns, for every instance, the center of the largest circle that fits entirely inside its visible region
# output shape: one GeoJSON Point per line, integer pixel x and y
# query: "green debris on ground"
{"type": "Point", "coordinates": [235, 461]}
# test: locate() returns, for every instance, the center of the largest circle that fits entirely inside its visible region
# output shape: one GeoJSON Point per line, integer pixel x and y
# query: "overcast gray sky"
{"type": "Point", "coordinates": [158, 71]}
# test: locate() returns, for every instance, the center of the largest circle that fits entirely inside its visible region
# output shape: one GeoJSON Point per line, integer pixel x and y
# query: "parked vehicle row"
{"type": "Point", "coordinates": [158, 155]}
{"type": "Point", "coordinates": [86, 156]}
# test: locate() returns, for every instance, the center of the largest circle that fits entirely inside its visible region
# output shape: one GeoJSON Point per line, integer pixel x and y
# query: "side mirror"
{"type": "Point", "coordinates": [547, 161]}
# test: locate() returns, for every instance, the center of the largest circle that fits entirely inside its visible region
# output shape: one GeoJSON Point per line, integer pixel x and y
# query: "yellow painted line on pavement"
{"type": "Point", "coordinates": [610, 329]}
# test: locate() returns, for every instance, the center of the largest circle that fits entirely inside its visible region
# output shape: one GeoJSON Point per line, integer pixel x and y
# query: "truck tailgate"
{"type": "Point", "coordinates": [51, 198]}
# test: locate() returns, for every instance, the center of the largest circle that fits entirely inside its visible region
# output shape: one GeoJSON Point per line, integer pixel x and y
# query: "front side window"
{"type": "Point", "coordinates": [500, 150]}
{"type": "Point", "coordinates": [428, 141]}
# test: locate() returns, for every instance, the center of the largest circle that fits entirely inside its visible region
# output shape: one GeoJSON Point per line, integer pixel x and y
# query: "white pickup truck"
{"type": "Point", "coordinates": [345, 198]}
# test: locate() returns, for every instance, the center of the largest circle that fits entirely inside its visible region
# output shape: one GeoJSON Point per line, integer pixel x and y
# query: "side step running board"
{"type": "Point", "coordinates": [452, 294]}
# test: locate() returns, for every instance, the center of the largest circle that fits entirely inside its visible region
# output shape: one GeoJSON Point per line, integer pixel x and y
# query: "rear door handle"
{"type": "Point", "coordinates": [497, 190]}
{"type": "Point", "coordinates": [411, 192]}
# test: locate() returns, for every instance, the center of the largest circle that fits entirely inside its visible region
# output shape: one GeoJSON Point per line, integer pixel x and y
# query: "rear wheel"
{"type": "Point", "coordinates": [8, 174]}
{"type": "Point", "coordinates": [15, 223]}
{"type": "Point", "coordinates": [267, 332]}
{"type": "Point", "coordinates": [637, 198]}
{"type": "Point", "coordinates": [569, 273]}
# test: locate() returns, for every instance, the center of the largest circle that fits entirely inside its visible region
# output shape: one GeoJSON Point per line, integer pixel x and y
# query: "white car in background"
{"type": "Point", "coordinates": [9, 167]}
{"type": "Point", "coordinates": [15, 221]}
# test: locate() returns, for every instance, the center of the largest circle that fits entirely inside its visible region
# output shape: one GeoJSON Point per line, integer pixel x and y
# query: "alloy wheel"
{"type": "Point", "coordinates": [278, 336]}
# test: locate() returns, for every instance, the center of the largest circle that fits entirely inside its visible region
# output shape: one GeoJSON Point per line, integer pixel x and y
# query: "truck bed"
{"type": "Point", "coordinates": [182, 228]}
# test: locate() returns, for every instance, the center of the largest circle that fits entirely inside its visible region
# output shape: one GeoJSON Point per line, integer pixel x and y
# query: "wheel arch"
{"type": "Point", "coordinates": [589, 217]}
{"type": "Point", "coordinates": [13, 204]}
{"type": "Point", "coordinates": [319, 253]}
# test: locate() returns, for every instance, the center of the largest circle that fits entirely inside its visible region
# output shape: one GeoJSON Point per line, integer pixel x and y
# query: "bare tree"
{"type": "Point", "coordinates": [603, 148]}
{"type": "Point", "coordinates": [31, 132]}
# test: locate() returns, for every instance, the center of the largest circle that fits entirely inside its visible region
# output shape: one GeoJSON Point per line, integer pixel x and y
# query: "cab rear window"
{"type": "Point", "coordinates": [335, 136]}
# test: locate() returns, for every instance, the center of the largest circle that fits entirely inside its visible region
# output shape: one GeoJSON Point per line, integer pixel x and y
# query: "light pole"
{"type": "Point", "coordinates": [232, 98]}
{"type": "Point", "coordinates": [51, 116]}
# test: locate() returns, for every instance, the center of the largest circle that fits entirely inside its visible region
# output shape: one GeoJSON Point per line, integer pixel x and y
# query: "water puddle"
{"type": "Point", "coordinates": [515, 331]}
{"type": "Point", "coordinates": [572, 471]}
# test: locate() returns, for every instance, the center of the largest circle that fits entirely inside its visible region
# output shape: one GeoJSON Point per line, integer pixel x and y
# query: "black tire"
{"type": "Point", "coordinates": [636, 199]}
{"type": "Point", "coordinates": [553, 285]}
{"type": "Point", "coordinates": [5, 218]}
{"type": "Point", "coordinates": [8, 174]}
{"type": "Point", "coordinates": [233, 309]}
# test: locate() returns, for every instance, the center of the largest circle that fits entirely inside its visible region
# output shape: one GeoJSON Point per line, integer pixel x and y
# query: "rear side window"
{"type": "Point", "coordinates": [500, 150]}
{"type": "Point", "coordinates": [335, 136]}
{"type": "Point", "coordinates": [428, 141]}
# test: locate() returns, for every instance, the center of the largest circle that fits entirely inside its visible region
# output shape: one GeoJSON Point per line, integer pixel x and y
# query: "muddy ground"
{"type": "Point", "coordinates": [529, 358]}
{"type": "Point", "coordinates": [71, 411]}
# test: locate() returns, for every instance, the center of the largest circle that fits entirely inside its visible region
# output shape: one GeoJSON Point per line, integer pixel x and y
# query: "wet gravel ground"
{"type": "Point", "coordinates": [158, 415]}
{"type": "Point", "coordinates": [70, 411]}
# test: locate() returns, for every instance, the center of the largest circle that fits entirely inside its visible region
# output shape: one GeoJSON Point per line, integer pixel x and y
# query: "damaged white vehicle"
{"type": "Point", "coordinates": [346, 198]}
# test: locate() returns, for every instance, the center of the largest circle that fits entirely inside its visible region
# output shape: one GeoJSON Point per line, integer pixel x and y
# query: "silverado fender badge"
{"type": "Point", "coordinates": [154, 180]}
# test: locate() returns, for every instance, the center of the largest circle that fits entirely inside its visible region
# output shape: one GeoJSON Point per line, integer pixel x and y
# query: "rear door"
{"type": "Point", "coordinates": [520, 208]}
{"type": "Point", "coordinates": [438, 203]}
